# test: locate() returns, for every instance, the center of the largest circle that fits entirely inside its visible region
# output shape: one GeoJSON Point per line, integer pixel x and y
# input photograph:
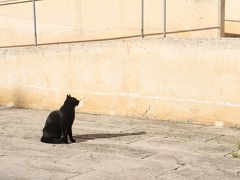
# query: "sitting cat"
{"type": "Point", "coordinates": [59, 123]}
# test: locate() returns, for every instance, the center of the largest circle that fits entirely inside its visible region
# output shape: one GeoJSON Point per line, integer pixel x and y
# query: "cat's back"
{"type": "Point", "coordinates": [54, 117]}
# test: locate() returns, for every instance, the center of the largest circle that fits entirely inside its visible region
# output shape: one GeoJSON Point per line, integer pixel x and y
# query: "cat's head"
{"type": "Point", "coordinates": [71, 100]}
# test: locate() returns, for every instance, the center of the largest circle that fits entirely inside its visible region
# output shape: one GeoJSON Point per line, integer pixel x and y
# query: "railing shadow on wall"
{"type": "Point", "coordinates": [233, 35]}
{"type": "Point", "coordinates": [161, 34]}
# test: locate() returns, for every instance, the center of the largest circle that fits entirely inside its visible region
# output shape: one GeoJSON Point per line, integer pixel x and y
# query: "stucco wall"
{"type": "Point", "coordinates": [176, 79]}
{"type": "Point", "coordinates": [232, 18]}
{"type": "Point", "coordinates": [75, 20]}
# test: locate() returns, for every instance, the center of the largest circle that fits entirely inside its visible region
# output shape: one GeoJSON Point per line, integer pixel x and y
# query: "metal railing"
{"type": "Point", "coordinates": [164, 17]}
{"type": "Point", "coordinates": [141, 29]}
{"type": "Point", "coordinates": [35, 23]}
{"type": "Point", "coordinates": [12, 2]}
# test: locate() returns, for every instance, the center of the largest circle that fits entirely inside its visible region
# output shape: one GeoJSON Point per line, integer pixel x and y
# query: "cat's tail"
{"type": "Point", "coordinates": [53, 141]}
{"type": "Point", "coordinates": [47, 140]}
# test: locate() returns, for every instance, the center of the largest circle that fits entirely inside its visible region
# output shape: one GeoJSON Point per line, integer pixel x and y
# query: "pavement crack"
{"type": "Point", "coordinates": [78, 174]}
{"type": "Point", "coordinates": [147, 110]}
{"type": "Point", "coordinates": [53, 170]}
{"type": "Point", "coordinates": [181, 165]}
{"type": "Point", "coordinates": [174, 169]}
{"type": "Point", "coordinates": [214, 138]}
{"type": "Point", "coordinates": [130, 129]}
{"type": "Point", "coordinates": [71, 177]}
{"type": "Point", "coordinates": [161, 174]}
{"type": "Point", "coordinates": [230, 153]}
{"type": "Point", "coordinates": [138, 140]}
{"type": "Point", "coordinates": [147, 156]}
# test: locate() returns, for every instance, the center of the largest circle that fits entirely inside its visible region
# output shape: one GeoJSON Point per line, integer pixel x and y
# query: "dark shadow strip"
{"type": "Point", "coordinates": [108, 39]}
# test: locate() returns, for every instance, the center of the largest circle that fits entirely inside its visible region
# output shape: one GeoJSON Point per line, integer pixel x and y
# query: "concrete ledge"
{"type": "Point", "coordinates": [176, 79]}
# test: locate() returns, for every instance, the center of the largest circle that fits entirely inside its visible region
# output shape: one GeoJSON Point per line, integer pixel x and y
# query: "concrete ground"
{"type": "Point", "coordinates": [115, 148]}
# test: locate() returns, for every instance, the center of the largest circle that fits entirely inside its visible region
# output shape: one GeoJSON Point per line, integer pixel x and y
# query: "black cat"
{"type": "Point", "coordinates": [59, 123]}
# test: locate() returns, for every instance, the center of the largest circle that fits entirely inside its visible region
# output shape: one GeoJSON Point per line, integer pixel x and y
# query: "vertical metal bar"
{"type": "Point", "coordinates": [221, 18]}
{"type": "Point", "coordinates": [142, 13]}
{"type": "Point", "coordinates": [164, 18]}
{"type": "Point", "coordinates": [35, 23]}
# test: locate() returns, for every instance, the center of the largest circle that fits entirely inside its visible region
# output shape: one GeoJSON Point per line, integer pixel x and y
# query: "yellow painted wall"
{"type": "Point", "coordinates": [75, 20]}
{"type": "Point", "coordinates": [173, 79]}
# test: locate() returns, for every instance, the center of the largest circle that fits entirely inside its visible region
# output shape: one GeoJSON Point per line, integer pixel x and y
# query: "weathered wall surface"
{"type": "Point", "coordinates": [176, 79]}
{"type": "Point", "coordinates": [76, 20]}
{"type": "Point", "coordinates": [232, 18]}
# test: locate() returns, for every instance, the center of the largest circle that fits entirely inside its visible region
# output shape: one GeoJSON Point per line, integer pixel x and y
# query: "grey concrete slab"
{"type": "Point", "coordinates": [118, 148]}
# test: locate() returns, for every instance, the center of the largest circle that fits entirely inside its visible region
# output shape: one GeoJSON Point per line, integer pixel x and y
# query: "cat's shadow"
{"type": "Point", "coordinates": [87, 137]}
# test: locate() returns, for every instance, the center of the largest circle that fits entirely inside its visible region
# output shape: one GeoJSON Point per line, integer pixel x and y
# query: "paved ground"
{"type": "Point", "coordinates": [115, 148]}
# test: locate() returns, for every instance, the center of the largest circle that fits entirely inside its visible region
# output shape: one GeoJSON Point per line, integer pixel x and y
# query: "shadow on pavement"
{"type": "Point", "coordinates": [86, 137]}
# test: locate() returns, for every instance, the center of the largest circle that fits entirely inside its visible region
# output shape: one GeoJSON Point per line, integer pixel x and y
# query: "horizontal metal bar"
{"type": "Point", "coordinates": [17, 2]}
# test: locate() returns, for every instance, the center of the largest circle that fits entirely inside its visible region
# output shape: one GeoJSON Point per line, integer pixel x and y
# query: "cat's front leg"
{"type": "Point", "coordinates": [65, 136]}
{"type": "Point", "coordinates": [70, 134]}
{"type": "Point", "coordinates": [65, 133]}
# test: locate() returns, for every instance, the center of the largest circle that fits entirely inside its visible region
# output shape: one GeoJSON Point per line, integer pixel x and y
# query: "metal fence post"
{"type": "Point", "coordinates": [142, 19]}
{"type": "Point", "coordinates": [221, 15]}
{"type": "Point", "coordinates": [164, 18]}
{"type": "Point", "coordinates": [35, 23]}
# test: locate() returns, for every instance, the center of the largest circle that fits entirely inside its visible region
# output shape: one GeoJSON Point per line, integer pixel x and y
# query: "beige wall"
{"type": "Point", "coordinates": [232, 23]}
{"type": "Point", "coordinates": [75, 20]}
{"type": "Point", "coordinates": [174, 79]}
